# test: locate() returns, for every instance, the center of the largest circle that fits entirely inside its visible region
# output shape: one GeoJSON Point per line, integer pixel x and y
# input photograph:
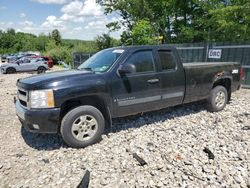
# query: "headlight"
{"type": "Point", "coordinates": [42, 99]}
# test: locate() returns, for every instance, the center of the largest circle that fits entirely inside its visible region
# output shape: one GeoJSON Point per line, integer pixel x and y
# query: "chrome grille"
{"type": "Point", "coordinates": [22, 96]}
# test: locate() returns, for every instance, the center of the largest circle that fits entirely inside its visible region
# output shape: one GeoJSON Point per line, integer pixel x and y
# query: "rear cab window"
{"type": "Point", "coordinates": [167, 60]}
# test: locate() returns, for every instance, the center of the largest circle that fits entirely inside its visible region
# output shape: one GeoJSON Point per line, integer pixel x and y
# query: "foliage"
{"type": "Point", "coordinates": [145, 22]}
{"type": "Point", "coordinates": [184, 20]}
{"type": "Point", "coordinates": [105, 41]}
{"type": "Point", "coordinates": [60, 53]}
{"type": "Point", "coordinates": [232, 23]}
{"type": "Point", "coordinates": [51, 45]}
{"type": "Point", "coordinates": [88, 47]}
{"type": "Point", "coordinates": [113, 26]}
{"type": "Point", "coordinates": [56, 36]}
{"type": "Point", "coordinates": [143, 33]}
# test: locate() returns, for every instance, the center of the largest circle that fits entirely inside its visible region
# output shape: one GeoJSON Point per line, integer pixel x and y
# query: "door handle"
{"type": "Point", "coordinates": [153, 81]}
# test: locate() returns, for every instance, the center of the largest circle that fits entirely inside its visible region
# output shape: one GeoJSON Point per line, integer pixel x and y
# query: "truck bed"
{"type": "Point", "coordinates": [200, 76]}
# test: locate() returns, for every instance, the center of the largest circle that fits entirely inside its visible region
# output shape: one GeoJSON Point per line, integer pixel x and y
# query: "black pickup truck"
{"type": "Point", "coordinates": [119, 82]}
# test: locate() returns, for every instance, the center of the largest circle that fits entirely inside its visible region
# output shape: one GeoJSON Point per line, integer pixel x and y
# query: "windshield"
{"type": "Point", "coordinates": [101, 61]}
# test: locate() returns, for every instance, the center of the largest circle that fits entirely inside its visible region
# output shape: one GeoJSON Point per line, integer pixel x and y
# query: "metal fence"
{"type": "Point", "coordinates": [218, 52]}
{"type": "Point", "coordinates": [203, 52]}
{"type": "Point", "coordinates": [79, 58]}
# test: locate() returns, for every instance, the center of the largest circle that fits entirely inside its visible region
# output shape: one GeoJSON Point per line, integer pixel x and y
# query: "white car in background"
{"type": "Point", "coordinates": [24, 66]}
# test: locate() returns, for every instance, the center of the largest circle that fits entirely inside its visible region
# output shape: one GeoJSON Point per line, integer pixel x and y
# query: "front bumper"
{"type": "Point", "coordinates": [39, 120]}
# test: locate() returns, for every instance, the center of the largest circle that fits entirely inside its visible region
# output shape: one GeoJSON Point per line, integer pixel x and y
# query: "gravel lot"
{"type": "Point", "coordinates": [171, 141]}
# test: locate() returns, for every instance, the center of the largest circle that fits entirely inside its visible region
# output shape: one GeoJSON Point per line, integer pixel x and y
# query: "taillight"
{"type": "Point", "coordinates": [241, 73]}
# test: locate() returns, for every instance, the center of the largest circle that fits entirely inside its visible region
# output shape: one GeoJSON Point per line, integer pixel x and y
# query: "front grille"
{"type": "Point", "coordinates": [22, 97]}
{"type": "Point", "coordinates": [23, 103]}
{"type": "Point", "coordinates": [22, 92]}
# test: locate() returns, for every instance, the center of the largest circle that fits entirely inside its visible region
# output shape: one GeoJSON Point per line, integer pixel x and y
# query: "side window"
{"type": "Point", "coordinates": [143, 61]}
{"type": "Point", "coordinates": [26, 61]}
{"type": "Point", "coordinates": [167, 60]}
{"type": "Point", "coordinates": [22, 61]}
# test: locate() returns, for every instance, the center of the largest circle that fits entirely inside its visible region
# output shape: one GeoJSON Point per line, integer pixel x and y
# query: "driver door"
{"type": "Point", "coordinates": [139, 91]}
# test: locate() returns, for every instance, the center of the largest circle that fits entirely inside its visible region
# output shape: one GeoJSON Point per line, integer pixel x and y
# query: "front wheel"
{"type": "Point", "coordinates": [217, 99]}
{"type": "Point", "coordinates": [11, 70]}
{"type": "Point", "coordinates": [82, 126]}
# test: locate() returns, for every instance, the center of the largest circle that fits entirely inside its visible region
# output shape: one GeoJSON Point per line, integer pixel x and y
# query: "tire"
{"type": "Point", "coordinates": [217, 99]}
{"type": "Point", "coordinates": [10, 70]}
{"type": "Point", "coordinates": [41, 70]}
{"type": "Point", "coordinates": [82, 126]}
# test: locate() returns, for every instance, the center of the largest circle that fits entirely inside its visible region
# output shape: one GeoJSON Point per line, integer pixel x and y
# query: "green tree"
{"type": "Point", "coordinates": [133, 11]}
{"type": "Point", "coordinates": [56, 36]}
{"type": "Point", "coordinates": [230, 22]}
{"type": "Point", "coordinates": [104, 41]}
{"type": "Point", "coordinates": [11, 31]}
{"type": "Point", "coordinates": [88, 47]}
{"type": "Point", "coordinates": [41, 41]}
{"type": "Point", "coordinates": [8, 40]}
{"type": "Point", "coordinates": [59, 53]}
{"type": "Point", "coordinates": [185, 20]}
{"type": "Point", "coordinates": [13, 42]}
{"type": "Point", "coordinates": [143, 33]}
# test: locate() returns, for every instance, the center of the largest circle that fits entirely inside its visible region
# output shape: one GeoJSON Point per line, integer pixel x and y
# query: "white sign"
{"type": "Point", "coordinates": [214, 54]}
{"type": "Point", "coordinates": [235, 71]}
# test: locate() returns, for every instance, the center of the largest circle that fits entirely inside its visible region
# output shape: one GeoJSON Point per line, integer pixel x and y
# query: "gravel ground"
{"type": "Point", "coordinates": [171, 141]}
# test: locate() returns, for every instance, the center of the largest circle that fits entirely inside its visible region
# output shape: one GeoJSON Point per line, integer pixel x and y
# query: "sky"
{"type": "Point", "coordinates": [75, 19]}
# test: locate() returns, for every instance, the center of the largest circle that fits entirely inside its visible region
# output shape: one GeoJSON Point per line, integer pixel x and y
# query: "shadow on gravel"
{"type": "Point", "coordinates": [42, 141]}
{"type": "Point", "coordinates": [54, 141]}
{"type": "Point", "coordinates": [140, 120]}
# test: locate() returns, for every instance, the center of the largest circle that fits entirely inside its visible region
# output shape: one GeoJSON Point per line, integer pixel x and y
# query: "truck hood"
{"type": "Point", "coordinates": [52, 80]}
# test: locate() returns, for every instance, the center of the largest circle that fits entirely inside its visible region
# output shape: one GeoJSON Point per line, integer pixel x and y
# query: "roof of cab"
{"type": "Point", "coordinates": [144, 47]}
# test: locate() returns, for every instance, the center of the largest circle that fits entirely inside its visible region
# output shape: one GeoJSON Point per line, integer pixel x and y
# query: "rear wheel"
{"type": "Point", "coordinates": [11, 70]}
{"type": "Point", "coordinates": [217, 99]}
{"type": "Point", "coordinates": [82, 126]}
{"type": "Point", "coordinates": [41, 70]}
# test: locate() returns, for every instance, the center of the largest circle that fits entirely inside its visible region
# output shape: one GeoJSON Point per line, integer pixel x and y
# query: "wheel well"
{"type": "Point", "coordinates": [11, 68]}
{"type": "Point", "coordinates": [226, 82]}
{"type": "Point", "coordinates": [41, 67]}
{"type": "Point", "coordinates": [95, 101]}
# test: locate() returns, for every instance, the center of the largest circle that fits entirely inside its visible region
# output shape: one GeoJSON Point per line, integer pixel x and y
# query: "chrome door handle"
{"type": "Point", "coordinates": [153, 81]}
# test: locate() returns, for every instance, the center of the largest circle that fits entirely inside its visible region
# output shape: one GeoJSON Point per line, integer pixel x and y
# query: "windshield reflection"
{"type": "Point", "coordinates": [101, 61]}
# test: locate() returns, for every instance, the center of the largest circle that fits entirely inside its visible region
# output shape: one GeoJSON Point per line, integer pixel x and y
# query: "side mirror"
{"type": "Point", "coordinates": [126, 69]}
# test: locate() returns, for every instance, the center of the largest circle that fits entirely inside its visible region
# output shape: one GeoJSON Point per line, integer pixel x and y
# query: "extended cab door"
{"type": "Point", "coordinates": [138, 91]}
{"type": "Point", "coordinates": [172, 77]}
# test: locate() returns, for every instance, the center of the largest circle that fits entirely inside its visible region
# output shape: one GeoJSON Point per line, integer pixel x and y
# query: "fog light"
{"type": "Point", "coordinates": [35, 126]}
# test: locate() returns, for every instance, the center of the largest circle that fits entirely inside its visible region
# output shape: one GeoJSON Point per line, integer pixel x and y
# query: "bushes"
{"type": "Point", "coordinates": [60, 53]}
{"type": "Point", "coordinates": [51, 45]}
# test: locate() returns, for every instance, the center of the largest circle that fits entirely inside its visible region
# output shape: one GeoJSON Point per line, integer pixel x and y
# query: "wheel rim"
{"type": "Point", "coordinates": [220, 99]}
{"type": "Point", "coordinates": [11, 71]}
{"type": "Point", "coordinates": [84, 127]}
{"type": "Point", "coordinates": [41, 70]}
